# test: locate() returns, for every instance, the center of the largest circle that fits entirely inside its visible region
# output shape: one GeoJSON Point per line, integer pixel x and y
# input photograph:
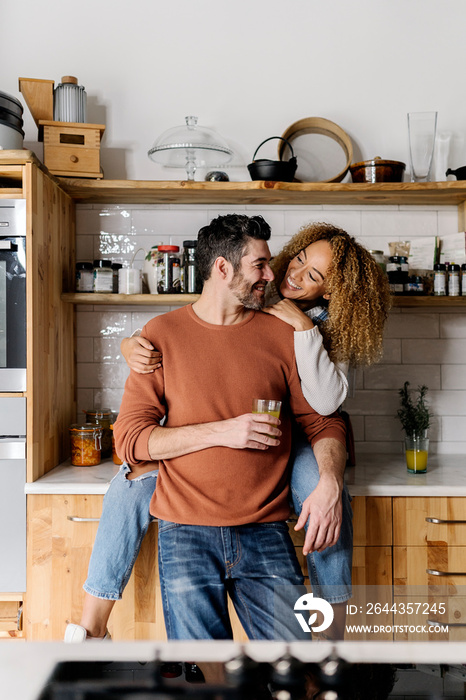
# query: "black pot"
{"type": "Point", "coordinates": [276, 170]}
{"type": "Point", "coordinates": [459, 173]}
{"type": "Point", "coordinates": [11, 103]}
{"type": "Point", "coordinates": [9, 118]}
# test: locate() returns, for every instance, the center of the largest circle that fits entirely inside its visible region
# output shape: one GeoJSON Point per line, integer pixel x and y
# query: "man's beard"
{"type": "Point", "coordinates": [243, 292]}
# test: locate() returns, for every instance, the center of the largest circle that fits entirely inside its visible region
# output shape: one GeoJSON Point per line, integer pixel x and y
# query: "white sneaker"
{"type": "Point", "coordinates": [75, 634]}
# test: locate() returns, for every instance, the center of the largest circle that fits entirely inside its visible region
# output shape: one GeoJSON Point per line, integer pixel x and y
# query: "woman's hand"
{"type": "Point", "coordinates": [140, 355]}
{"type": "Point", "coordinates": [287, 311]}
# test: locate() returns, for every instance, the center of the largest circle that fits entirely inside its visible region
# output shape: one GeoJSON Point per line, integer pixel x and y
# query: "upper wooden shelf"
{"type": "Point", "coordinates": [182, 299]}
{"type": "Point", "coordinates": [262, 192]}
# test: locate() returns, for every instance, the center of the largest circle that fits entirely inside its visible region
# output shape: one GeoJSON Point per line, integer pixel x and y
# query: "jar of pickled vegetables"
{"type": "Point", "coordinates": [116, 459]}
{"type": "Point", "coordinates": [104, 418]}
{"type": "Point", "coordinates": [85, 444]}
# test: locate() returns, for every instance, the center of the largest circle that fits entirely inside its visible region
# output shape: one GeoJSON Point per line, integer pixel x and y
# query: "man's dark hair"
{"type": "Point", "coordinates": [227, 237]}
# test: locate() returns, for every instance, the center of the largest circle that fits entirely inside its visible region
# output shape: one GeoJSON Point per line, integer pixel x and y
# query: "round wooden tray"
{"type": "Point", "coordinates": [325, 127]}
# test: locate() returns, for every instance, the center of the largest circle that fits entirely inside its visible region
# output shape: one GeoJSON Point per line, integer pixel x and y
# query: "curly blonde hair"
{"type": "Point", "coordinates": [359, 294]}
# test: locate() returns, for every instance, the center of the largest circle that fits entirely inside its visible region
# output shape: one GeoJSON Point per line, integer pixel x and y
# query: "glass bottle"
{"type": "Point", "coordinates": [103, 276]}
{"type": "Point", "coordinates": [454, 280]}
{"type": "Point", "coordinates": [190, 285]}
{"type": "Point", "coordinates": [440, 280]}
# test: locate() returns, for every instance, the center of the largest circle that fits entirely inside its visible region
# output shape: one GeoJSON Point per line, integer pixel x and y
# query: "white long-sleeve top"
{"type": "Point", "coordinates": [324, 383]}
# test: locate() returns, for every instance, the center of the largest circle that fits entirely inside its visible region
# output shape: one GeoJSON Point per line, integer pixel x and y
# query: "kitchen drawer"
{"type": "Point", "coordinates": [74, 160]}
{"type": "Point", "coordinates": [438, 565]}
{"type": "Point", "coordinates": [434, 521]}
{"type": "Point", "coordinates": [12, 415]}
{"type": "Point", "coordinates": [372, 566]}
{"type": "Point", "coordinates": [372, 520]}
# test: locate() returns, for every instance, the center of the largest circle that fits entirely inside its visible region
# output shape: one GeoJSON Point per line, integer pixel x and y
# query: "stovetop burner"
{"type": "Point", "coordinates": [245, 679]}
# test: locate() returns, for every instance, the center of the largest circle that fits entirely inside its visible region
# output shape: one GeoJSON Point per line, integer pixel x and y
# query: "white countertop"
{"type": "Point", "coordinates": [373, 475]}
{"type": "Point", "coordinates": [25, 667]}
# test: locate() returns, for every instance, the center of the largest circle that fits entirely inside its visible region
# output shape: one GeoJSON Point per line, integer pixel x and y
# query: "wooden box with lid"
{"type": "Point", "coordinates": [72, 149]}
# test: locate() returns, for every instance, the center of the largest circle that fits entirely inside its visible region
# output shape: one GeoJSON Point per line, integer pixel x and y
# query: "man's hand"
{"type": "Point", "coordinates": [257, 431]}
{"type": "Point", "coordinates": [323, 506]}
{"type": "Point", "coordinates": [324, 510]}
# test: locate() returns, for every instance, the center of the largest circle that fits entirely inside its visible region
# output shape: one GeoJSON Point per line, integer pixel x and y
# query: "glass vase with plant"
{"type": "Point", "coordinates": [415, 416]}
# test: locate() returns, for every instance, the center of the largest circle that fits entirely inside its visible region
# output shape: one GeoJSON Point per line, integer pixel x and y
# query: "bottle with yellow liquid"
{"type": "Point", "coordinates": [416, 449]}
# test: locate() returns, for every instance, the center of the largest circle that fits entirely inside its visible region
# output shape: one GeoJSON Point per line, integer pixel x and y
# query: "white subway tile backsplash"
{"type": "Point", "coordinates": [161, 224]}
{"type": "Point", "coordinates": [401, 225]}
{"type": "Point", "coordinates": [453, 326]}
{"type": "Point", "coordinates": [100, 324]}
{"type": "Point", "coordinates": [108, 398]}
{"type": "Point", "coordinates": [348, 220]}
{"type": "Point", "coordinates": [420, 325]}
{"type": "Point", "coordinates": [382, 428]}
{"type": "Point", "coordinates": [453, 377]}
{"type": "Point", "coordinates": [106, 350]}
{"type": "Point", "coordinates": [366, 403]}
{"type": "Point", "coordinates": [101, 375]}
{"type": "Point", "coordinates": [390, 376]}
{"type": "Point", "coordinates": [391, 351]}
{"type": "Point", "coordinates": [453, 428]}
{"type": "Point", "coordinates": [449, 351]}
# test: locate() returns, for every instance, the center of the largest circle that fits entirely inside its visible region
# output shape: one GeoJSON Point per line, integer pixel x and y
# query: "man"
{"type": "Point", "coordinates": [222, 490]}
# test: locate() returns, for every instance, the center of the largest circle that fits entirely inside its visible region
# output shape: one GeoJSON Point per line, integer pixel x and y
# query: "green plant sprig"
{"type": "Point", "coordinates": [414, 415]}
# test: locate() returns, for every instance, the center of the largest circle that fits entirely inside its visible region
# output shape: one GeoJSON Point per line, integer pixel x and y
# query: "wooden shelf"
{"type": "Point", "coordinates": [262, 192]}
{"type": "Point", "coordinates": [182, 299]}
{"type": "Point", "coordinates": [130, 299]}
{"type": "Point", "coordinates": [429, 301]}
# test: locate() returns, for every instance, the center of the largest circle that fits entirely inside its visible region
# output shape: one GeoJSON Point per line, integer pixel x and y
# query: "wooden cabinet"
{"type": "Point", "coordinates": [372, 538]}
{"type": "Point", "coordinates": [61, 533]}
{"type": "Point", "coordinates": [429, 562]}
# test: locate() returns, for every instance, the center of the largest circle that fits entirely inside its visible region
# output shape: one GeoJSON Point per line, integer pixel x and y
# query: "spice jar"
{"type": "Point", "coordinates": [84, 277]}
{"type": "Point", "coordinates": [454, 280]}
{"type": "Point", "coordinates": [440, 280]}
{"type": "Point", "coordinates": [463, 280]}
{"type": "Point", "coordinates": [397, 271]}
{"type": "Point", "coordinates": [85, 444]}
{"type": "Point", "coordinates": [103, 276]}
{"type": "Point", "coordinates": [103, 417]}
{"type": "Point", "coordinates": [115, 458]}
{"type": "Point", "coordinates": [379, 258]}
{"type": "Point", "coordinates": [168, 270]}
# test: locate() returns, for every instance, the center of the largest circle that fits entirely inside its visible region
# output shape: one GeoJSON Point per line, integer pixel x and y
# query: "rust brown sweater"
{"type": "Point", "coordinates": [211, 373]}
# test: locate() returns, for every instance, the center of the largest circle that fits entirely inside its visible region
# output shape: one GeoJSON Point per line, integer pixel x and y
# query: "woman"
{"type": "Point", "coordinates": [336, 297]}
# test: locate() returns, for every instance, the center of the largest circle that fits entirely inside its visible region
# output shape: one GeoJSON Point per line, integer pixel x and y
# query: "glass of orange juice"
{"type": "Point", "coordinates": [267, 406]}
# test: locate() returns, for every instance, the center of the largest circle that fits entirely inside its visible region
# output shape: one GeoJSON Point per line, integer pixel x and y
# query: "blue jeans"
{"type": "Point", "coordinates": [123, 524]}
{"type": "Point", "coordinates": [200, 566]}
{"type": "Point", "coordinates": [330, 570]}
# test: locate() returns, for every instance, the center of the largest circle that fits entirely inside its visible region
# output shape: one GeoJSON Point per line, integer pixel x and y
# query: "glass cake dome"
{"type": "Point", "coordinates": [190, 146]}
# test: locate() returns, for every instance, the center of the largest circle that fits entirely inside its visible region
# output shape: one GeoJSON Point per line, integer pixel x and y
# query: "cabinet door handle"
{"type": "Point", "coordinates": [437, 521]}
{"type": "Point", "coordinates": [446, 624]}
{"type": "Point", "coordinates": [434, 572]}
{"type": "Point", "coordinates": [77, 519]}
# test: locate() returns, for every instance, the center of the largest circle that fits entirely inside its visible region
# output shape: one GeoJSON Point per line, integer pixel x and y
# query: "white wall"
{"type": "Point", "coordinates": [248, 68]}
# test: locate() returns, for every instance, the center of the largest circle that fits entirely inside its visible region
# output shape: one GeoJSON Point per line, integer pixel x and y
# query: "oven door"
{"type": "Point", "coordinates": [12, 313]}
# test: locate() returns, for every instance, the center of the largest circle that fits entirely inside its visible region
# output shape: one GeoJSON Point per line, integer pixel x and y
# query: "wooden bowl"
{"type": "Point", "coordinates": [378, 170]}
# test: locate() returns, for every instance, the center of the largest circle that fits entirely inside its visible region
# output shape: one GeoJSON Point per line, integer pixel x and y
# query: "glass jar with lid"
{"type": "Point", "coordinates": [103, 276]}
{"type": "Point", "coordinates": [103, 417]}
{"type": "Point", "coordinates": [85, 444]}
{"type": "Point", "coordinates": [168, 270]}
{"type": "Point", "coordinates": [84, 277]}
